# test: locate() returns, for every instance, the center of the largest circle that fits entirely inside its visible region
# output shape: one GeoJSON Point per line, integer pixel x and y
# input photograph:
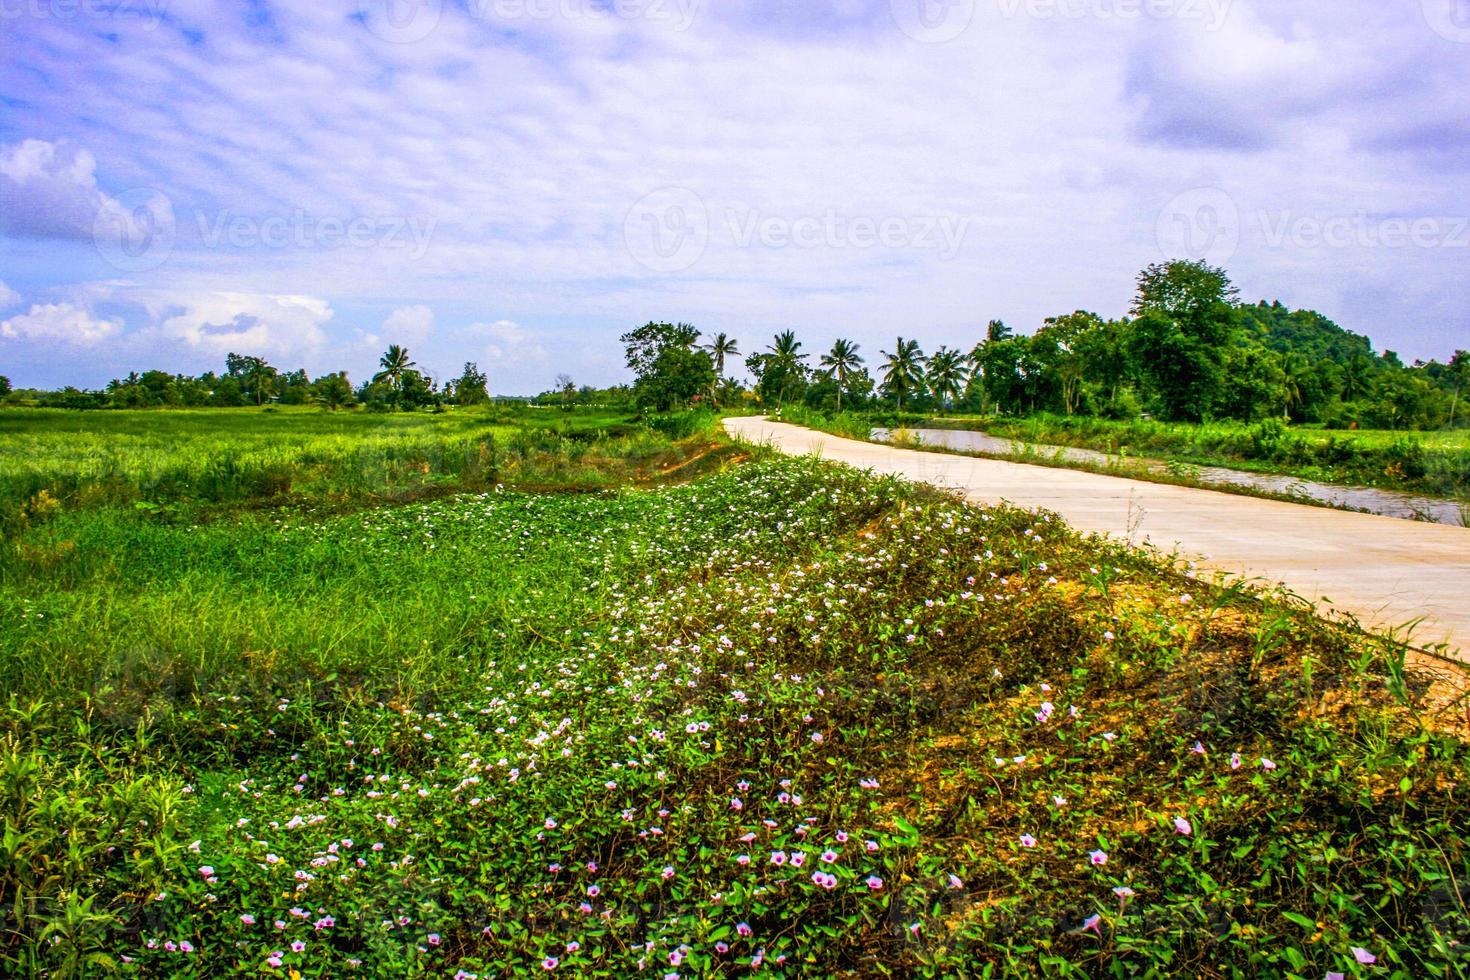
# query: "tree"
{"type": "Point", "coordinates": [470, 388]}
{"type": "Point", "coordinates": [333, 391]}
{"type": "Point", "coordinates": [257, 379]}
{"type": "Point", "coordinates": [1059, 347]}
{"type": "Point", "coordinates": [1458, 374]}
{"type": "Point", "coordinates": [903, 370]}
{"type": "Point", "coordinates": [4, 386]}
{"type": "Point", "coordinates": [670, 371]}
{"type": "Point", "coordinates": [567, 388]}
{"type": "Point", "coordinates": [1185, 322]}
{"type": "Point", "coordinates": [840, 363]}
{"type": "Point", "coordinates": [719, 349]}
{"type": "Point", "coordinates": [396, 365]}
{"type": "Point", "coordinates": [947, 376]}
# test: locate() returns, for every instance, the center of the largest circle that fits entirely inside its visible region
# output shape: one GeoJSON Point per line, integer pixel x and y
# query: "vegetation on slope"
{"type": "Point", "coordinates": [786, 718]}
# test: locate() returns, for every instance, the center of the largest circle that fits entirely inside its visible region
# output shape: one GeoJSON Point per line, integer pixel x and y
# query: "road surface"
{"type": "Point", "coordinates": [1386, 572]}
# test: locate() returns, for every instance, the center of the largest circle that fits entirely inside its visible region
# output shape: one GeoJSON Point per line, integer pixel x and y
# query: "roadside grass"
{"type": "Point", "coordinates": [1434, 463]}
{"type": "Point", "coordinates": [786, 717]}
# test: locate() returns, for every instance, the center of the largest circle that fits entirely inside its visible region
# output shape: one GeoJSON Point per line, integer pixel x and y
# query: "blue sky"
{"type": "Point", "coordinates": [516, 182]}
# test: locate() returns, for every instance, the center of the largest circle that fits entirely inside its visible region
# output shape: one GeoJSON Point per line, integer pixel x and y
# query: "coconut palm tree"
{"type": "Point", "coordinates": [784, 357]}
{"type": "Point", "coordinates": [903, 370]}
{"type": "Point", "coordinates": [395, 363]}
{"type": "Point", "coordinates": [719, 349]}
{"type": "Point", "coordinates": [839, 363]}
{"type": "Point", "coordinates": [947, 375]}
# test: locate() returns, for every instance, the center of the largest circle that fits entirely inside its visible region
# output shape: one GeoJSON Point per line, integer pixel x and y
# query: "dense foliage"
{"type": "Point", "coordinates": [786, 718]}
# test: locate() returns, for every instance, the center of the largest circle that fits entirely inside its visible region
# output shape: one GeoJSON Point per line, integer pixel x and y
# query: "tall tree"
{"type": "Point", "coordinates": [1185, 322]}
{"type": "Point", "coordinates": [720, 348]}
{"type": "Point", "coordinates": [946, 375]}
{"type": "Point", "coordinates": [840, 363]}
{"type": "Point", "coordinates": [903, 370]}
{"type": "Point", "coordinates": [472, 386]}
{"type": "Point", "coordinates": [396, 366]}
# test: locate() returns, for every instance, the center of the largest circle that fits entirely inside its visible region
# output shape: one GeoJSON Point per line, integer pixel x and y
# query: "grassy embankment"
{"type": "Point", "coordinates": [1431, 463]}
{"type": "Point", "coordinates": [784, 715]}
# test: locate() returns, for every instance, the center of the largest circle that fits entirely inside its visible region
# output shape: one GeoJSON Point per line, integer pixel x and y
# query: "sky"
{"type": "Point", "coordinates": [517, 182]}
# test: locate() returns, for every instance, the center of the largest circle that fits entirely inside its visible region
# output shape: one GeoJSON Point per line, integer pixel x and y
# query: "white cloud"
{"type": "Point", "coordinates": [506, 344]}
{"type": "Point", "coordinates": [8, 296]}
{"type": "Point", "coordinates": [408, 326]}
{"type": "Point", "coordinates": [246, 323]}
{"type": "Point", "coordinates": [61, 323]}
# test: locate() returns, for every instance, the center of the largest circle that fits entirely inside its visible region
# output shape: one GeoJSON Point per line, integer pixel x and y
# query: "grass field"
{"type": "Point", "coordinates": [717, 716]}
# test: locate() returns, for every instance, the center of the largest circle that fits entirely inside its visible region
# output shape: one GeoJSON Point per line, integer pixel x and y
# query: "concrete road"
{"type": "Point", "coordinates": [1384, 571]}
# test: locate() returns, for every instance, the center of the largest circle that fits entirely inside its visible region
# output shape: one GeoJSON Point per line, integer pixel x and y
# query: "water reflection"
{"type": "Point", "coordinates": [1389, 503]}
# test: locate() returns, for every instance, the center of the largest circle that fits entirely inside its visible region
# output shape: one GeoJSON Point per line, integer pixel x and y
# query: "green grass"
{"type": "Point", "coordinates": [476, 732]}
{"type": "Point", "coordinates": [1434, 463]}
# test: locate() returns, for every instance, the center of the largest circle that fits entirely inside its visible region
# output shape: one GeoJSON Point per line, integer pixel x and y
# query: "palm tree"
{"type": "Point", "coordinates": [903, 371]}
{"type": "Point", "coordinates": [947, 375]}
{"type": "Point", "coordinates": [784, 358]}
{"type": "Point", "coordinates": [395, 364]}
{"type": "Point", "coordinates": [841, 361]}
{"type": "Point", "coordinates": [1294, 370]}
{"type": "Point", "coordinates": [719, 349]}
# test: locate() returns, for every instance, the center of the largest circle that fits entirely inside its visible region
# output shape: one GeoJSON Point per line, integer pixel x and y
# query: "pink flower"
{"type": "Point", "coordinates": [667, 872]}
{"type": "Point", "coordinates": [778, 858]}
{"type": "Point", "coordinates": [722, 947]}
{"type": "Point", "coordinates": [873, 882]}
{"type": "Point", "coordinates": [1235, 760]}
{"type": "Point", "coordinates": [274, 959]}
{"type": "Point", "coordinates": [798, 858]}
{"type": "Point", "coordinates": [871, 846]}
{"type": "Point", "coordinates": [742, 859]}
{"type": "Point", "coordinates": [1093, 923]}
{"type": "Point", "coordinates": [1198, 749]}
{"type": "Point", "coordinates": [743, 929]}
{"type": "Point", "coordinates": [736, 804]}
{"type": "Point", "coordinates": [1182, 826]}
{"type": "Point", "coordinates": [298, 947]}
{"type": "Point", "coordinates": [1027, 840]}
{"type": "Point", "coordinates": [434, 939]}
{"type": "Point", "coordinates": [205, 871]}
{"type": "Point", "coordinates": [593, 891]}
{"type": "Point", "coordinates": [1267, 764]}
{"type": "Point", "coordinates": [1098, 857]}
{"type": "Point", "coordinates": [829, 856]}
{"type": "Point", "coordinates": [825, 880]}
{"type": "Point", "coordinates": [1363, 956]}
{"type": "Point", "coordinates": [868, 783]}
{"type": "Point", "coordinates": [248, 919]}
{"type": "Point", "coordinates": [550, 963]}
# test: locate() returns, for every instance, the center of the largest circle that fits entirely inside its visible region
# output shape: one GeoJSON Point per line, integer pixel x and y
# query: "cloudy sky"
{"type": "Point", "coordinates": [516, 182]}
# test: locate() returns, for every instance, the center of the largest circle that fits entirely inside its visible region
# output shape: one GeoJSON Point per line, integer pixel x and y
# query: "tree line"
{"type": "Point", "coordinates": [1188, 350]}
